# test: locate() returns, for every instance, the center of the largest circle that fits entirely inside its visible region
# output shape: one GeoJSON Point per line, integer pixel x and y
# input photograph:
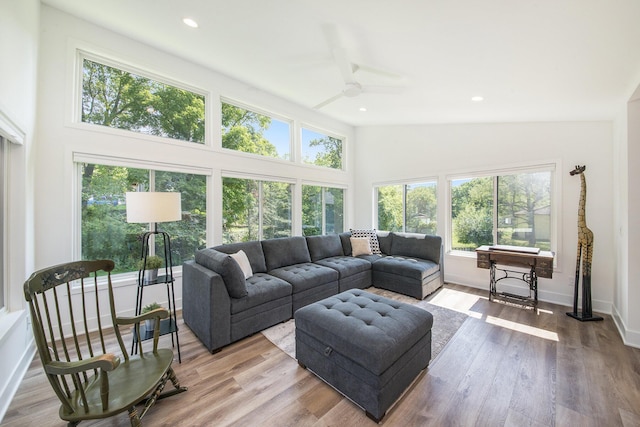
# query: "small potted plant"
{"type": "Point", "coordinates": [153, 263]}
{"type": "Point", "coordinates": [149, 324]}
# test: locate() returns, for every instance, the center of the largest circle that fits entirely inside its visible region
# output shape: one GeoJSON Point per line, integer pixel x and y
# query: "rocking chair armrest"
{"type": "Point", "coordinates": [105, 362]}
{"type": "Point", "coordinates": [162, 313]}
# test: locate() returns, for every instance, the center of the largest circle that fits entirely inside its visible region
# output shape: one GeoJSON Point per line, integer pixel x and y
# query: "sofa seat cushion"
{"type": "Point", "coordinates": [306, 275]}
{"type": "Point", "coordinates": [346, 265]}
{"type": "Point", "coordinates": [261, 288]}
{"type": "Point", "coordinates": [413, 268]}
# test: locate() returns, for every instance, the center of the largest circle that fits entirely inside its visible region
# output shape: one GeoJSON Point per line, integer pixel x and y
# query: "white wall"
{"type": "Point", "coordinates": [60, 137]}
{"type": "Point", "coordinates": [18, 56]}
{"type": "Point", "coordinates": [391, 153]}
{"type": "Point", "coordinates": [626, 232]}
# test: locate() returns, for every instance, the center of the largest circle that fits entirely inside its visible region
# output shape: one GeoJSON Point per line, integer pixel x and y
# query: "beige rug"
{"type": "Point", "coordinates": [445, 324]}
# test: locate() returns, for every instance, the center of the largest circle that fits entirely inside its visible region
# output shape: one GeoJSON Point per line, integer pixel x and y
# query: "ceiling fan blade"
{"type": "Point", "coordinates": [328, 101]}
{"type": "Point", "coordinates": [345, 66]}
{"type": "Point", "coordinates": [382, 89]}
{"type": "Point", "coordinates": [378, 71]}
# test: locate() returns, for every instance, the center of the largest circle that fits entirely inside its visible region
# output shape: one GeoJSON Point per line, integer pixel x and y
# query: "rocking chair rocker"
{"type": "Point", "coordinates": [65, 303]}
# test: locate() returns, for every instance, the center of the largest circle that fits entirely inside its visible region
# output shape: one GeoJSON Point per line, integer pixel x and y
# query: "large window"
{"type": "Point", "coordinates": [321, 150]}
{"type": "Point", "coordinates": [119, 99]}
{"type": "Point", "coordinates": [322, 210]}
{"type": "Point", "coordinates": [105, 231]}
{"type": "Point", "coordinates": [255, 210]}
{"type": "Point", "coordinates": [250, 132]}
{"type": "Point", "coordinates": [410, 208]}
{"type": "Point", "coordinates": [507, 209]}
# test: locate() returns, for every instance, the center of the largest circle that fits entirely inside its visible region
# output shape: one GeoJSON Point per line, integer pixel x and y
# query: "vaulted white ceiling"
{"type": "Point", "coordinates": [530, 60]}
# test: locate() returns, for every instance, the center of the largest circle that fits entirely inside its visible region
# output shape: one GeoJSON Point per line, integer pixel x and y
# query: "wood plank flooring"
{"type": "Point", "coordinates": [506, 366]}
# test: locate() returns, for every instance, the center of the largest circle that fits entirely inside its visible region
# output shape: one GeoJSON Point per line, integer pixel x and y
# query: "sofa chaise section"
{"type": "Point", "coordinates": [412, 267]}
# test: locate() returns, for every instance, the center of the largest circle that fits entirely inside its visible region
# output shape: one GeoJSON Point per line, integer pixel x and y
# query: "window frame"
{"type": "Point", "coordinates": [552, 166]}
{"type": "Point", "coordinates": [325, 132]}
{"type": "Point", "coordinates": [404, 184]}
{"type": "Point", "coordinates": [260, 179]}
{"type": "Point", "coordinates": [75, 119]}
{"type": "Point", "coordinates": [323, 187]}
{"type": "Point", "coordinates": [263, 112]}
{"type": "Point", "coordinates": [78, 158]}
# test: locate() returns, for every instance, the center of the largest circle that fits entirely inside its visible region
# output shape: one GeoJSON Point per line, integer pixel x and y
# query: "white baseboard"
{"type": "Point", "coordinates": [14, 381]}
{"type": "Point", "coordinates": [629, 337]}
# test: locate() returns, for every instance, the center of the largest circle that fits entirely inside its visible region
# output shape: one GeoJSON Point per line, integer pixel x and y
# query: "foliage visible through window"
{"type": "Point", "coordinates": [255, 210]}
{"type": "Point", "coordinates": [251, 132]}
{"type": "Point", "coordinates": [322, 210]}
{"type": "Point", "coordinates": [322, 150]}
{"type": "Point", "coordinates": [105, 231]}
{"type": "Point", "coordinates": [517, 214]}
{"type": "Point", "coordinates": [411, 208]}
{"type": "Point", "coordinates": [119, 99]}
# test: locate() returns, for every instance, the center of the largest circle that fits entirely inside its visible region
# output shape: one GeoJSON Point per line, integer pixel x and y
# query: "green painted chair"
{"type": "Point", "coordinates": [74, 328]}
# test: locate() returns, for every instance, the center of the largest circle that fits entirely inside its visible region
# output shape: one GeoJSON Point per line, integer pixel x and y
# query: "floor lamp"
{"type": "Point", "coordinates": [152, 208]}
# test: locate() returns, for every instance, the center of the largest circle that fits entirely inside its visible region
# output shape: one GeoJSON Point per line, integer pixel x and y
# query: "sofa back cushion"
{"type": "Point", "coordinates": [226, 267]}
{"type": "Point", "coordinates": [254, 252]}
{"type": "Point", "coordinates": [384, 240]}
{"type": "Point", "coordinates": [345, 239]}
{"type": "Point", "coordinates": [321, 247]}
{"type": "Point", "coordinates": [285, 251]}
{"type": "Point", "coordinates": [417, 246]}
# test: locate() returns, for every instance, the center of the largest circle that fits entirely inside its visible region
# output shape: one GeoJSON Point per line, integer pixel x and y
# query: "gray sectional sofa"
{"type": "Point", "coordinates": [220, 305]}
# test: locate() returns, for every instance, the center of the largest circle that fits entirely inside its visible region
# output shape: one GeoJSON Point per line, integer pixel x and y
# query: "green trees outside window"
{"type": "Point", "coordinates": [411, 208]}
{"type": "Point", "coordinates": [105, 231]}
{"type": "Point", "coordinates": [255, 210]}
{"type": "Point", "coordinates": [322, 210]}
{"type": "Point", "coordinates": [119, 99]}
{"type": "Point", "coordinates": [252, 209]}
{"type": "Point", "coordinates": [321, 150]}
{"type": "Point", "coordinates": [250, 132]}
{"type": "Point", "coordinates": [517, 213]}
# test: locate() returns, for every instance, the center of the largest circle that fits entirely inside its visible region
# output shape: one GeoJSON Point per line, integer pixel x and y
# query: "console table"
{"type": "Point", "coordinates": [539, 263]}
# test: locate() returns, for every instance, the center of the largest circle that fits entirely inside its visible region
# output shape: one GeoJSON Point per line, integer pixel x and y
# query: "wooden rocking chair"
{"type": "Point", "coordinates": [66, 304]}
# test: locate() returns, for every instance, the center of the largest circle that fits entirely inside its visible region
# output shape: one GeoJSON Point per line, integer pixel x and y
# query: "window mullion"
{"type": "Point", "coordinates": [260, 208]}
{"type": "Point", "coordinates": [404, 208]}
{"type": "Point", "coordinates": [495, 210]}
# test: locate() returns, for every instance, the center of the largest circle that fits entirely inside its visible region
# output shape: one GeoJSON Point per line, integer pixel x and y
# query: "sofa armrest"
{"type": "Point", "coordinates": [206, 305]}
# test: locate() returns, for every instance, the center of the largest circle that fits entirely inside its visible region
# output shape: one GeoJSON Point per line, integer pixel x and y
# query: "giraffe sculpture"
{"type": "Point", "coordinates": [585, 254]}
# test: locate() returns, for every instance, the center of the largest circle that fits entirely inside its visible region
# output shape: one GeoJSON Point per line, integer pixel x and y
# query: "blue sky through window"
{"type": "Point", "coordinates": [279, 134]}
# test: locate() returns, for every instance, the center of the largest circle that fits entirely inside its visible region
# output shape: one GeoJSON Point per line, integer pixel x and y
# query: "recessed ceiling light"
{"type": "Point", "coordinates": [363, 108]}
{"type": "Point", "coordinates": [190, 22]}
{"type": "Point", "coordinates": [477, 99]}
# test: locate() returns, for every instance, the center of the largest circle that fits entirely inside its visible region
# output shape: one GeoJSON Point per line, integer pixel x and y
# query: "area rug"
{"type": "Point", "coordinates": [445, 324]}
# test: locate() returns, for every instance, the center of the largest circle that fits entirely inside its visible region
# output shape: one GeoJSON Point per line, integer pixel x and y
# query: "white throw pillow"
{"type": "Point", "coordinates": [243, 262]}
{"type": "Point", "coordinates": [360, 246]}
{"type": "Point", "coordinates": [373, 238]}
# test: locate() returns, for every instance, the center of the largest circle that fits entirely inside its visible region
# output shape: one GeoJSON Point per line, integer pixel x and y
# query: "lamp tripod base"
{"type": "Point", "coordinates": [584, 317]}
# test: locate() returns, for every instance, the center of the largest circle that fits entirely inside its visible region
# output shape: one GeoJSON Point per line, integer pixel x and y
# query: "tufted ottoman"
{"type": "Point", "coordinates": [368, 347]}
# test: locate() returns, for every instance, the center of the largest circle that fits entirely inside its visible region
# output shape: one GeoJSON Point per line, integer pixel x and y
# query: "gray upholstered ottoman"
{"type": "Point", "coordinates": [368, 347]}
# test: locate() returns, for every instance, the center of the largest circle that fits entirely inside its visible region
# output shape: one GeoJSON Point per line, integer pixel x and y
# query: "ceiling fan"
{"type": "Point", "coordinates": [352, 87]}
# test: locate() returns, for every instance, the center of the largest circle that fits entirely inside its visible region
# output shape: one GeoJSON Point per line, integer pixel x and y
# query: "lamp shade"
{"type": "Point", "coordinates": [153, 206]}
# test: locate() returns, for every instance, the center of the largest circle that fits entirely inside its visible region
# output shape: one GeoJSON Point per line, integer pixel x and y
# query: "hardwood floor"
{"type": "Point", "coordinates": [506, 366]}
